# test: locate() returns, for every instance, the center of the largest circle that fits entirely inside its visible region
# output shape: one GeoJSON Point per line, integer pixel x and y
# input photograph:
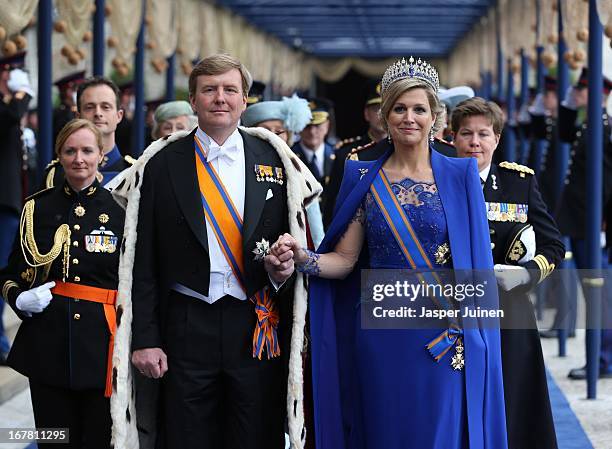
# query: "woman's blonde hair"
{"type": "Point", "coordinates": [398, 88]}
{"type": "Point", "coordinates": [73, 126]}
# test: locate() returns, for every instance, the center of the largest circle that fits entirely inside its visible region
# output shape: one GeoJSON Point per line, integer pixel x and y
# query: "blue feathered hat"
{"type": "Point", "coordinates": [292, 111]}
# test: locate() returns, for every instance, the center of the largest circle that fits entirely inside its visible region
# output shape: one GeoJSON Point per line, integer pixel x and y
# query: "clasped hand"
{"type": "Point", "coordinates": [284, 253]}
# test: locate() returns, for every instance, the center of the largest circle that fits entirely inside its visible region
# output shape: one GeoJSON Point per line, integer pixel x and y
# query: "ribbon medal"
{"type": "Point", "coordinates": [266, 173]}
{"type": "Point", "coordinates": [101, 241]}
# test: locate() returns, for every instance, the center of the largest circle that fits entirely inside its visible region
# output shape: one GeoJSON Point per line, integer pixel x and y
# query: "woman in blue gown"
{"type": "Point", "coordinates": [412, 208]}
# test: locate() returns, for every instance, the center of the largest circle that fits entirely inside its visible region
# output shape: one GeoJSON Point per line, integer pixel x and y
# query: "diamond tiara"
{"type": "Point", "coordinates": [420, 70]}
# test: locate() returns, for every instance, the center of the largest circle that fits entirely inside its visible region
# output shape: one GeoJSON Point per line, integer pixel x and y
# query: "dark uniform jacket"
{"type": "Point", "coordinates": [112, 163]}
{"type": "Point", "coordinates": [544, 127]}
{"type": "Point", "coordinates": [11, 151]}
{"type": "Point", "coordinates": [66, 345]}
{"type": "Point", "coordinates": [571, 210]}
{"type": "Point", "coordinates": [510, 187]}
{"type": "Point", "coordinates": [172, 245]}
{"type": "Point", "coordinates": [343, 149]}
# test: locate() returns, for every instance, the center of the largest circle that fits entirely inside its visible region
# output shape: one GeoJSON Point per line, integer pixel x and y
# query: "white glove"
{"type": "Point", "coordinates": [19, 81]}
{"type": "Point", "coordinates": [570, 99]}
{"type": "Point", "coordinates": [36, 299]}
{"type": "Point", "coordinates": [537, 108]}
{"type": "Point", "coordinates": [511, 276]}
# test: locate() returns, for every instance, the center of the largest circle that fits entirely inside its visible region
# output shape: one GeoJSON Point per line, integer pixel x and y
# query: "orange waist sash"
{"type": "Point", "coordinates": [102, 296]}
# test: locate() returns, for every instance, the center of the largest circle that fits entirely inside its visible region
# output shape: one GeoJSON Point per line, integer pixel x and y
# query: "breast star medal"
{"type": "Point", "coordinates": [458, 361]}
{"type": "Point", "coordinates": [262, 249]}
{"type": "Point", "coordinates": [79, 211]}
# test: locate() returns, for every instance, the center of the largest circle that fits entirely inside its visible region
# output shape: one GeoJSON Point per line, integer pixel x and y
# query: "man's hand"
{"type": "Point", "coordinates": [279, 263]}
{"type": "Point", "coordinates": [511, 276]}
{"type": "Point", "coordinates": [151, 362]}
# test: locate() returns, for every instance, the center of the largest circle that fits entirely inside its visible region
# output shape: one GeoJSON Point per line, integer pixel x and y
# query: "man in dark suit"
{"type": "Point", "coordinates": [207, 315]}
{"type": "Point", "coordinates": [526, 247]}
{"type": "Point", "coordinates": [313, 148]}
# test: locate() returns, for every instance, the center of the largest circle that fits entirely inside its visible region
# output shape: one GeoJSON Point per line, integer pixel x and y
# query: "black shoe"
{"type": "Point", "coordinates": [581, 374]}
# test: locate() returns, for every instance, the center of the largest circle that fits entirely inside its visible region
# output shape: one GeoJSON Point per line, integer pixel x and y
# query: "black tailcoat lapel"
{"type": "Point", "coordinates": [181, 166]}
{"type": "Point", "coordinates": [255, 192]}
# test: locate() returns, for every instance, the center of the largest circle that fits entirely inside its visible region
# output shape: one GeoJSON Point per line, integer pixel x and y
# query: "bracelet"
{"type": "Point", "coordinates": [311, 265]}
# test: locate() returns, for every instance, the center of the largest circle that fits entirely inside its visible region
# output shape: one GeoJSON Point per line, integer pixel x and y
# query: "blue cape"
{"type": "Point", "coordinates": [332, 308]}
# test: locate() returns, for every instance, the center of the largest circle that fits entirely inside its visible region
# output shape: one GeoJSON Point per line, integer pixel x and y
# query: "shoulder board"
{"type": "Point", "coordinates": [362, 147]}
{"type": "Point", "coordinates": [53, 163]}
{"type": "Point", "coordinates": [516, 167]}
{"type": "Point", "coordinates": [444, 142]}
{"type": "Point", "coordinates": [129, 159]}
{"type": "Point", "coordinates": [347, 141]}
{"type": "Point", "coordinates": [39, 193]}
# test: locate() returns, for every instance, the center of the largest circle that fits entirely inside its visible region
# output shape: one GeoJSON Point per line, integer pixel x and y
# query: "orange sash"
{"type": "Point", "coordinates": [226, 224]}
{"type": "Point", "coordinates": [105, 297]}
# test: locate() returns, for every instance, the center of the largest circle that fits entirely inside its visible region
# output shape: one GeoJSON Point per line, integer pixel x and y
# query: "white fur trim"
{"type": "Point", "coordinates": [124, 432]}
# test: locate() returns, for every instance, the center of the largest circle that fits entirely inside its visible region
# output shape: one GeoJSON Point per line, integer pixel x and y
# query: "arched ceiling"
{"type": "Point", "coordinates": [364, 28]}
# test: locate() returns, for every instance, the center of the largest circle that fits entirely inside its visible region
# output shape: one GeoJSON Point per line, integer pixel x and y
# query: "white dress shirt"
{"type": "Point", "coordinates": [319, 152]}
{"type": "Point", "coordinates": [484, 174]}
{"type": "Point", "coordinates": [228, 161]}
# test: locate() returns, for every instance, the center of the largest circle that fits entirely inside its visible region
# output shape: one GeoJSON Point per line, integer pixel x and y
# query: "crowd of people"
{"type": "Point", "coordinates": [209, 293]}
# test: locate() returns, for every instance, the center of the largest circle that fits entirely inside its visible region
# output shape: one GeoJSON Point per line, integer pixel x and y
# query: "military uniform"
{"type": "Point", "coordinates": [72, 238]}
{"type": "Point", "coordinates": [544, 127]}
{"type": "Point", "coordinates": [12, 109]}
{"type": "Point", "coordinates": [111, 165]}
{"type": "Point", "coordinates": [66, 111]}
{"type": "Point", "coordinates": [342, 151]}
{"type": "Point", "coordinates": [514, 206]}
{"type": "Point", "coordinates": [571, 212]}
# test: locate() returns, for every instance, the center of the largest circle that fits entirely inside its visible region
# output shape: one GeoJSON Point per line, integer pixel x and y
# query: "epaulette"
{"type": "Point", "coordinates": [347, 141]}
{"type": "Point", "coordinates": [51, 164]}
{"type": "Point", "coordinates": [129, 159]}
{"type": "Point", "coordinates": [353, 154]}
{"type": "Point", "coordinates": [522, 169]}
{"type": "Point", "coordinates": [445, 142]}
{"type": "Point", "coordinates": [39, 193]}
{"type": "Point", "coordinates": [50, 169]}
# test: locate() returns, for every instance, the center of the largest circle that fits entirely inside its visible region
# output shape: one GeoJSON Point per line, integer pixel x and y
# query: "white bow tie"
{"type": "Point", "coordinates": [230, 153]}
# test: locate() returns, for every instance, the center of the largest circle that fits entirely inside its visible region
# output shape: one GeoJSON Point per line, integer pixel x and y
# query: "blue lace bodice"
{"type": "Point", "coordinates": [421, 201]}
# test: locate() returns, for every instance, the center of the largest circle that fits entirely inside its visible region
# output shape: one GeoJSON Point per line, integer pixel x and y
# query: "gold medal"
{"type": "Point", "coordinates": [103, 218]}
{"type": "Point", "coordinates": [79, 211]}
